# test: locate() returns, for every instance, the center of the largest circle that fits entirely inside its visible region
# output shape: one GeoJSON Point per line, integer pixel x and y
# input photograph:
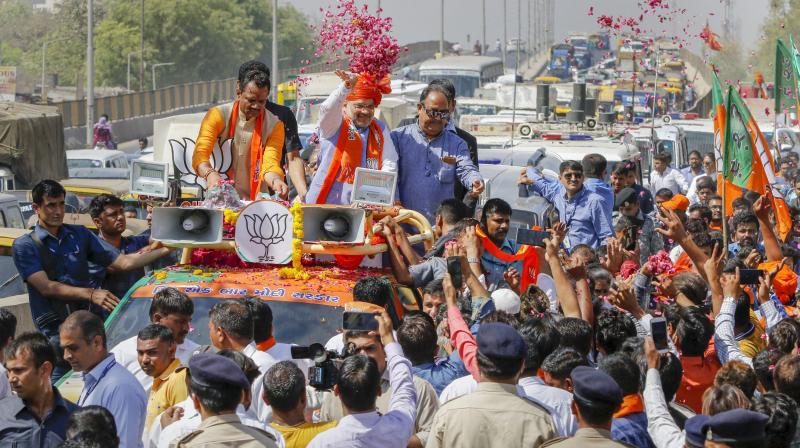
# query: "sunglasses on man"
{"type": "Point", "coordinates": [436, 114]}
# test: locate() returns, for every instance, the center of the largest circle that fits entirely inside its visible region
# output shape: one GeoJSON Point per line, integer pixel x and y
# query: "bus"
{"type": "Point", "coordinates": [467, 73]}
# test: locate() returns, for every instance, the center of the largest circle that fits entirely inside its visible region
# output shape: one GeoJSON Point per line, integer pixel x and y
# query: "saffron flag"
{"type": "Point", "coordinates": [711, 39]}
{"type": "Point", "coordinates": [746, 159]}
{"type": "Point", "coordinates": [785, 78]}
{"type": "Point", "coordinates": [731, 191]}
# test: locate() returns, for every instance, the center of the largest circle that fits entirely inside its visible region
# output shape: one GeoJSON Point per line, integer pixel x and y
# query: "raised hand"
{"type": "Point", "coordinates": [348, 79]}
{"type": "Point", "coordinates": [675, 230]}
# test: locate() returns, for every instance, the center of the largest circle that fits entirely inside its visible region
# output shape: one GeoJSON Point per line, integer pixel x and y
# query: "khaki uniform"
{"type": "Point", "coordinates": [586, 437]}
{"type": "Point", "coordinates": [492, 416]}
{"type": "Point", "coordinates": [427, 405]}
{"type": "Point", "coordinates": [227, 431]}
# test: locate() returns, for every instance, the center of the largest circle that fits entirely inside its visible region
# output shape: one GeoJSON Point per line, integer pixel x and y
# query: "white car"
{"type": "Point", "coordinates": [97, 164]}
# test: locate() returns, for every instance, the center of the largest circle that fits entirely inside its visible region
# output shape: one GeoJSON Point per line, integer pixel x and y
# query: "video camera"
{"type": "Point", "coordinates": [325, 371]}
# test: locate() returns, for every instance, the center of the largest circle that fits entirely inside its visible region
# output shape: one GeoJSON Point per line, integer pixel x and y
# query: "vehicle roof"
{"type": "Point", "coordinates": [115, 186]}
{"type": "Point", "coordinates": [613, 151]}
{"type": "Point", "coordinates": [4, 197]}
{"type": "Point", "coordinates": [97, 154]}
{"type": "Point", "coordinates": [327, 285]}
{"type": "Point", "coordinates": [700, 124]}
{"type": "Point", "coordinates": [477, 101]}
{"type": "Point", "coordinates": [475, 63]}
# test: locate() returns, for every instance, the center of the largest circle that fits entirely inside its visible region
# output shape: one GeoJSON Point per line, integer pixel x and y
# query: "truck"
{"type": "Point", "coordinates": [561, 56]}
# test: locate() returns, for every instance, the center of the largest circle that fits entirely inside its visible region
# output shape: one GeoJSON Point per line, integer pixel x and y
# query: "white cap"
{"type": "Point", "coordinates": [506, 300]}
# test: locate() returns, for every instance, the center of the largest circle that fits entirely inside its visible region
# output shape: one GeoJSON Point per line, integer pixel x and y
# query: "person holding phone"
{"type": "Point", "coordinates": [649, 241]}
{"type": "Point", "coordinates": [582, 210]}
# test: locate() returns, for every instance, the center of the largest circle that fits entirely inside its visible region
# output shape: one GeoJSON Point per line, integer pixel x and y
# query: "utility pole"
{"type": "Point", "coordinates": [505, 33]}
{"type": "Point", "coordinates": [483, 11]}
{"type": "Point", "coordinates": [44, 55]}
{"type": "Point", "coordinates": [141, 46]}
{"type": "Point", "coordinates": [529, 46]}
{"type": "Point", "coordinates": [275, 76]}
{"type": "Point", "coordinates": [441, 30]}
{"type": "Point", "coordinates": [89, 73]}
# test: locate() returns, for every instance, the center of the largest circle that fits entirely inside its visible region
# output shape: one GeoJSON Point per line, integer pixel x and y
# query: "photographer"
{"type": "Point", "coordinates": [358, 387]}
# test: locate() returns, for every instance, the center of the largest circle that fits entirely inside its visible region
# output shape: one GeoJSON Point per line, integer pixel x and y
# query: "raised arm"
{"type": "Point", "coordinates": [724, 339]}
{"type": "Point", "coordinates": [129, 262]}
{"type": "Point", "coordinates": [564, 290]}
{"type": "Point", "coordinates": [460, 336]}
{"type": "Point", "coordinates": [330, 111]}
{"type": "Point", "coordinates": [403, 404]}
{"type": "Point", "coordinates": [677, 233]}
{"type": "Point", "coordinates": [772, 246]}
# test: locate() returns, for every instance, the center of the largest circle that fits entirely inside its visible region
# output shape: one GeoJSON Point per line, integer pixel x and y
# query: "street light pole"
{"type": "Point", "coordinates": [44, 90]}
{"type": "Point", "coordinates": [274, 50]}
{"type": "Point", "coordinates": [505, 32]}
{"type": "Point", "coordinates": [141, 47]}
{"type": "Point", "coordinates": [129, 70]}
{"type": "Point", "coordinates": [529, 46]}
{"type": "Point", "coordinates": [89, 72]}
{"type": "Point", "coordinates": [441, 30]}
{"type": "Point", "coordinates": [483, 11]}
{"type": "Point", "coordinates": [162, 64]}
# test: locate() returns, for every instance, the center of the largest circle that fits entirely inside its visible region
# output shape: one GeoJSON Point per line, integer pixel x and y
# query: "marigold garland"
{"type": "Point", "coordinates": [297, 271]}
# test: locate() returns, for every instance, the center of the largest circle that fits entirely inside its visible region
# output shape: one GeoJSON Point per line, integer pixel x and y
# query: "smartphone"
{"type": "Point", "coordinates": [750, 276]}
{"type": "Point", "coordinates": [359, 321]}
{"type": "Point", "coordinates": [454, 269]}
{"type": "Point", "coordinates": [658, 328]}
{"type": "Point", "coordinates": [531, 237]}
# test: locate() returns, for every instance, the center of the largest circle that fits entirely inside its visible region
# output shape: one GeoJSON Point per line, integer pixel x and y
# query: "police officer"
{"type": "Point", "coordinates": [695, 434]}
{"type": "Point", "coordinates": [217, 387]}
{"type": "Point", "coordinates": [736, 428]}
{"type": "Point", "coordinates": [596, 396]}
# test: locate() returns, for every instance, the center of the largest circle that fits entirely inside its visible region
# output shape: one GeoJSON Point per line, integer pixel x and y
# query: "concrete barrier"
{"type": "Point", "coordinates": [18, 305]}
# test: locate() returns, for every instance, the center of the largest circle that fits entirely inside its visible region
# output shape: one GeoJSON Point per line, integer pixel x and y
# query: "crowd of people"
{"type": "Point", "coordinates": [634, 323]}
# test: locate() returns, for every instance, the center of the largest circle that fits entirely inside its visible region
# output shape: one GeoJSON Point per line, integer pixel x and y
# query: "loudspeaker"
{"type": "Point", "coordinates": [331, 223]}
{"type": "Point", "coordinates": [189, 225]}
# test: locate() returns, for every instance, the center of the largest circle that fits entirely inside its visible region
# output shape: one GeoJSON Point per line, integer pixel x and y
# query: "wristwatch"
{"type": "Point", "coordinates": [473, 260]}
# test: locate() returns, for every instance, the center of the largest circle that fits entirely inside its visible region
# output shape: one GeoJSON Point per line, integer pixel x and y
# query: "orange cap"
{"type": "Point", "coordinates": [785, 283]}
{"type": "Point", "coordinates": [366, 88]}
{"type": "Point", "coordinates": [678, 202]}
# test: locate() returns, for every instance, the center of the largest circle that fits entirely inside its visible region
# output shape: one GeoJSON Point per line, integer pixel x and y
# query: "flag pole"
{"type": "Point", "coordinates": [724, 215]}
{"type": "Point", "coordinates": [723, 138]}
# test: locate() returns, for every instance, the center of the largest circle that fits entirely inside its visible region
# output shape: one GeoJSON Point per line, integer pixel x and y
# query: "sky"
{"type": "Point", "coordinates": [418, 20]}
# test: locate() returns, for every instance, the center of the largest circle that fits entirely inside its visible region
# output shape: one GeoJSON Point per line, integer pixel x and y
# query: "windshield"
{"type": "Point", "coordinates": [295, 323]}
{"type": "Point", "coordinates": [700, 141]}
{"type": "Point", "coordinates": [304, 108]}
{"type": "Point", "coordinates": [84, 163]}
{"type": "Point", "coordinates": [465, 84]}
{"type": "Point", "coordinates": [476, 109]}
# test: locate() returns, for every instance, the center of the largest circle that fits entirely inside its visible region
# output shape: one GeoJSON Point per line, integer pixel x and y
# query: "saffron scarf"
{"type": "Point", "coordinates": [631, 404]}
{"type": "Point", "coordinates": [526, 254]}
{"type": "Point", "coordinates": [347, 155]}
{"type": "Point", "coordinates": [267, 344]}
{"type": "Point", "coordinates": [256, 149]}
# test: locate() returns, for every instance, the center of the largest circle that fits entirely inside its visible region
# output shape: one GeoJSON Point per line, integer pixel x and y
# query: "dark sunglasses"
{"type": "Point", "coordinates": [436, 114]}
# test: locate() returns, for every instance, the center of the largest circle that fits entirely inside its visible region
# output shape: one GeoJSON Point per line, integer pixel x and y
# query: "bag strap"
{"type": "Point", "coordinates": [48, 260]}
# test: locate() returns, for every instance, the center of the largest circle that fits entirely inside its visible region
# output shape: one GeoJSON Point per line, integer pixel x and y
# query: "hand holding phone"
{"type": "Point", "coordinates": [658, 328]}
{"type": "Point", "coordinates": [531, 237]}
{"type": "Point", "coordinates": [454, 269]}
{"type": "Point", "coordinates": [750, 276]}
{"type": "Point", "coordinates": [359, 321]}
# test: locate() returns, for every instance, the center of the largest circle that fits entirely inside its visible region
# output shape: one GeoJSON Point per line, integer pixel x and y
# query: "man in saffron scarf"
{"type": "Point", "coordinates": [257, 140]}
{"type": "Point", "coordinates": [350, 137]}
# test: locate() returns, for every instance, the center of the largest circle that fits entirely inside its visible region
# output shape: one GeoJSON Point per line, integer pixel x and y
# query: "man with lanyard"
{"type": "Point", "coordinates": [350, 137]}
{"type": "Point", "coordinates": [581, 210]}
{"type": "Point", "coordinates": [54, 262]}
{"type": "Point", "coordinates": [105, 382]}
{"type": "Point", "coordinates": [290, 157]}
{"type": "Point", "coordinates": [107, 214]}
{"type": "Point", "coordinates": [431, 159]}
{"type": "Point", "coordinates": [258, 137]}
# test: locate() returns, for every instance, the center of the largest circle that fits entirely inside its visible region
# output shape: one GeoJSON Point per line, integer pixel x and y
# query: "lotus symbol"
{"type": "Point", "coordinates": [266, 230]}
{"type": "Point", "coordinates": [182, 153]}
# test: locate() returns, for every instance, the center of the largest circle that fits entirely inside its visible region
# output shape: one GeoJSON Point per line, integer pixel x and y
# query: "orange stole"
{"type": "Point", "coordinates": [631, 404]}
{"type": "Point", "coordinates": [526, 254]}
{"type": "Point", "coordinates": [256, 150]}
{"type": "Point", "coordinates": [347, 155]}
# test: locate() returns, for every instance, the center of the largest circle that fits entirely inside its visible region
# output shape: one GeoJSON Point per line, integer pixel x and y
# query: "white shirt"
{"type": "Point", "coordinates": [162, 438]}
{"type": "Point", "coordinates": [126, 355]}
{"type": "Point", "coordinates": [370, 429]}
{"type": "Point", "coordinates": [691, 194]}
{"type": "Point", "coordinates": [671, 178]}
{"type": "Point", "coordinates": [660, 425]}
{"type": "Point", "coordinates": [264, 361]}
{"type": "Point", "coordinates": [556, 401]}
{"type": "Point", "coordinates": [5, 388]}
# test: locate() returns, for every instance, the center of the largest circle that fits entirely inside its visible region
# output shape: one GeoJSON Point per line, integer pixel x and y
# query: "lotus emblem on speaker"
{"type": "Point", "coordinates": [266, 231]}
{"type": "Point", "coordinates": [182, 153]}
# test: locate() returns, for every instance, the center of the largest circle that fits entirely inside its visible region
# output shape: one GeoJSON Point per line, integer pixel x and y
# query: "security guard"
{"type": "Point", "coordinates": [695, 431]}
{"type": "Point", "coordinates": [217, 387]}
{"type": "Point", "coordinates": [737, 427]}
{"type": "Point", "coordinates": [595, 398]}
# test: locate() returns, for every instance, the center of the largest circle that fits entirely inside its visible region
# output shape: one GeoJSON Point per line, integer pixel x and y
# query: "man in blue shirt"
{"type": "Point", "coordinates": [417, 336]}
{"type": "Point", "coordinates": [430, 159]}
{"type": "Point", "coordinates": [581, 210]}
{"type": "Point", "coordinates": [54, 262]}
{"type": "Point", "coordinates": [594, 169]}
{"type": "Point", "coordinates": [745, 232]}
{"type": "Point", "coordinates": [108, 213]}
{"type": "Point", "coordinates": [106, 383]}
{"type": "Point", "coordinates": [35, 415]}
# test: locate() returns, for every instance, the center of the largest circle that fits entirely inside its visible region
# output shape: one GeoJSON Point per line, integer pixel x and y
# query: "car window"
{"type": "Point", "coordinates": [11, 283]}
{"type": "Point", "coordinates": [13, 217]}
{"type": "Point", "coordinates": [295, 323]}
{"type": "Point", "coordinates": [3, 219]}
